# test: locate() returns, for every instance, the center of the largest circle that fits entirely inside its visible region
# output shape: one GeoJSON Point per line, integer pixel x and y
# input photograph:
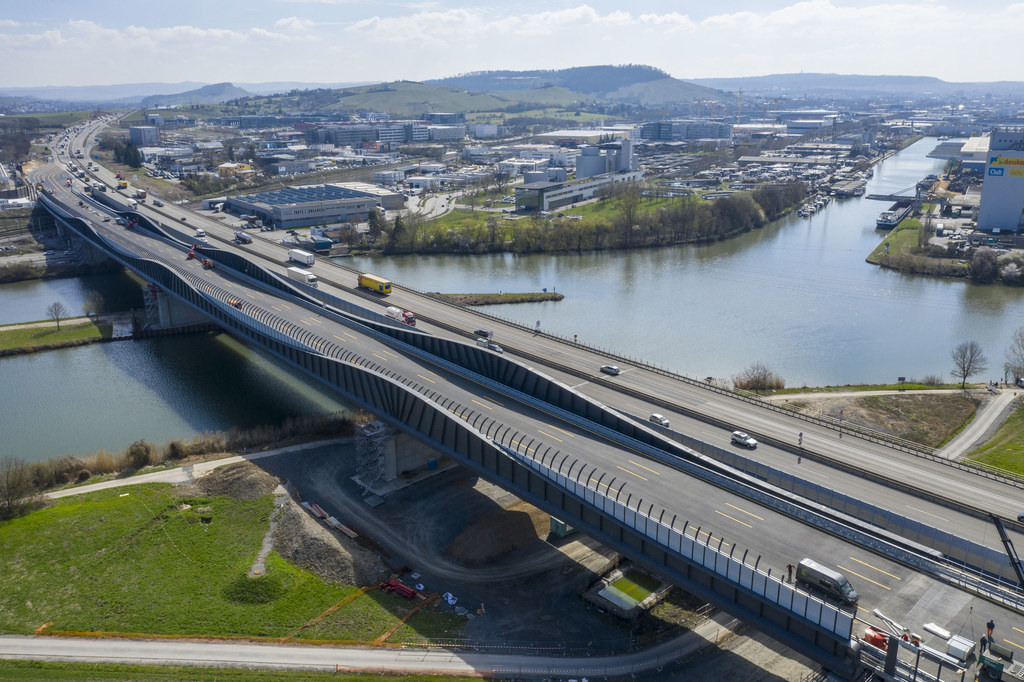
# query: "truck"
{"type": "Point", "coordinates": [404, 316]}
{"type": "Point", "coordinates": [300, 256]}
{"type": "Point", "coordinates": [243, 237]}
{"type": "Point", "coordinates": [304, 276]}
{"type": "Point", "coordinates": [135, 205]}
{"type": "Point", "coordinates": [122, 184]}
{"type": "Point", "coordinates": [140, 194]}
{"type": "Point", "coordinates": [375, 283]}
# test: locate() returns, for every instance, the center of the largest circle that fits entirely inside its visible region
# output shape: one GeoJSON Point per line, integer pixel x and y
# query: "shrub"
{"type": "Point", "coordinates": [758, 377]}
{"type": "Point", "coordinates": [139, 454]}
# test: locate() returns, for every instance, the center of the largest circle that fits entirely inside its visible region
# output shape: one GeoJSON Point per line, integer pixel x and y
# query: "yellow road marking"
{"type": "Point", "coordinates": [644, 468]}
{"type": "Point", "coordinates": [426, 379]}
{"type": "Point", "coordinates": [337, 337]}
{"type": "Point", "coordinates": [228, 284]}
{"type": "Point", "coordinates": [381, 357]}
{"type": "Point", "coordinates": [864, 577]}
{"type": "Point", "coordinates": [482, 405]}
{"type": "Point", "coordinates": [275, 308]}
{"type": "Point", "coordinates": [571, 435]}
{"type": "Point", "coordinates": [390, 353]}
{"type": "Point", "coordinates": [286, 306]}
{"type": "Point", "coordinates": [1013, 643]}
{"type": "Point", "coordinates": [743, 511]}
{"type": "Point", "coordinates": [487, 397]}
{"type": "Point", "coordinates": [610, 489]}
{"type": "Point", "coordinates": [261, 294]}
{"type": "Point", "coordinates": [631, 473]}
{"type": "Point", "coordinates": [1018, 629]}
{"type": "Point", "coordinates": [547, 434]}
{"type": "Point", "coordinates": [733, 518]}
{"type": "Point", "coordinates": [862, 563]}
{"type": "Point", "coordinates": [349, 335]}
{"type": "Point", "coordinates": [517, 443]}
{"type": "Point", "coordinates": [305, 323]}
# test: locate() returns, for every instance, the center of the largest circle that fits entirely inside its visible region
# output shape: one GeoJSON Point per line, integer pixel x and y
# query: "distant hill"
{"type": "Point", "coordinates": [208, 94]}
{"type": "Point", "coordinates": [129, 92]}
{"type": "Point", "coordinates": [629, 83]}
{"type": "Point", "coordinates": [853, 86]}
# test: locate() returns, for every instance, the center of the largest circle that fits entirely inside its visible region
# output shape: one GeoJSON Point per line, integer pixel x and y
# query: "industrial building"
{"type": "Point", "coordinates": [308, 205]}
{"type": "Point", "coordinates": [548, 196]}
{"type": "Point", "coordinates": [144, 136]}
{"type": "Point", "coordinates": [608, 158]}
{"type": "Point", "coordinates": [1002, 192]}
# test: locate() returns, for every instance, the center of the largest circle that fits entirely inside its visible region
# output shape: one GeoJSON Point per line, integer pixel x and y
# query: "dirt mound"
{"type": "Point", "coordinates": [241, 480]}
{"type": "Point", "coordinates": [499, 533]}
{"type": "Point", "coordinates": [303, 541]}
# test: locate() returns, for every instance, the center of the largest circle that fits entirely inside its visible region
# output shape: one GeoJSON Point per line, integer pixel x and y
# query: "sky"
{"type": "Point", "coordinates": [101, 42]}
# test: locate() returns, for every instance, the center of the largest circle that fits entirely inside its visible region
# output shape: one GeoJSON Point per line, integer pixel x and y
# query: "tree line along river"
{"type": "Point", "coordinates": [796, 295]}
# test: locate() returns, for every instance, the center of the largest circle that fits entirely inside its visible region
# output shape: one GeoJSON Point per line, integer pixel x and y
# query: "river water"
{"type": "Point", "coordinates": [796, 295]}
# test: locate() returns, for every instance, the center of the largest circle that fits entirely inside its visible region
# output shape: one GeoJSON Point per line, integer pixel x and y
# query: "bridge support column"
{"type": "Point", "coordinates": [167, 312]}
{"type": "Point", "coordinates": [390, 460]}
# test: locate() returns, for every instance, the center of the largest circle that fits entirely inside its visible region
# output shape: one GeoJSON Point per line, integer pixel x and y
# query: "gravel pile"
{"type": "Point", "coordinates": [305, 542]}
{"type": "Point", "coordinates": [241, 480]}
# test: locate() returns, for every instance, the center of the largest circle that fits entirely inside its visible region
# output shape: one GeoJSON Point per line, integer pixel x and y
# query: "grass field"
{"type": "Point", "coordinates": [140, 562]}
{"type": "Point", "coordinates": [70, 330]}
{"type": "Point", "coordinates": [1005, 449]}
{"type": "Point", "coordinates": [42, 670]}
{"type": "Point", "coordinates": [902, 240]}
{"type": "Point", "coordinates": [866, 387]}
{"type": "Point", "coordinates": [636, 585]}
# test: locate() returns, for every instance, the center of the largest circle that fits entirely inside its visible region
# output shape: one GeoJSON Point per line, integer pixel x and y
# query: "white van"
{"type": "Point", "coordinates": [200, 233]}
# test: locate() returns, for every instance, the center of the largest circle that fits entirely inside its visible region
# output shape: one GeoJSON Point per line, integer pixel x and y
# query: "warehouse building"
{"type": "Point", "coordinates": [1002, 192]}
{"type": "Point", "coordinates": [307, 205]}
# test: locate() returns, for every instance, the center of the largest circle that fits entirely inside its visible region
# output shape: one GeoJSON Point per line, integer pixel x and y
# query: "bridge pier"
{"type": "Point", "coordinates": [389, 459]}
{"type": "Point", "coordinates": [167, 312]}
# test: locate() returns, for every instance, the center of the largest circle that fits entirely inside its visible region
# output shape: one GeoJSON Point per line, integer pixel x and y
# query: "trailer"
{"type": "Point", "coordinates": [375, 283]}
{"type": "Point", "coordinates": [300, 256]}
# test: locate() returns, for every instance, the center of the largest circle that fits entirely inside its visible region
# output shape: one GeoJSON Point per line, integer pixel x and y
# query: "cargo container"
{"type": "Point", "coordinates": [300, 256]}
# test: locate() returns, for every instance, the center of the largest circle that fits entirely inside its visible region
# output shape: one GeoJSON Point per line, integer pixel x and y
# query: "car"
{"type": "Point", "coordinates": [106, 219]}
{"type": "Point", "coordinates": [485, 333]}
{"type": "Point", "coordinates": [610, 369]}
{"type": "Point", "coordinates": [184, 219]}
{"type": "Point", "coordinates": [740, 438]}
{"type": "Point", "coordinates": [49, 253]}
{"type": "Point", "coordinates": [67, 253]}
{"type": "Point", "coordinates": [1020, 517]}
{"type": "Point", "coordinates": [495, 347]}
{"type": "Point", "coordinates": [658, 419]}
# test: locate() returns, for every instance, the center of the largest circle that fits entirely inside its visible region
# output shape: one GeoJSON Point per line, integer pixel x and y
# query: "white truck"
{"type": "Point", "coordinates": [304, 276]}
{"type": "Point", "coordinates": [243, 237]}
{"type": "Point", "coordinates": [300, 256]}
{"type": "Point", "coordinates": [401, 315]}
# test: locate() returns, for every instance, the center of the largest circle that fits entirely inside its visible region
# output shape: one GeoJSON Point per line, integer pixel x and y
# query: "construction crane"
{"type": "Point", "coordinates": [1010, 551]}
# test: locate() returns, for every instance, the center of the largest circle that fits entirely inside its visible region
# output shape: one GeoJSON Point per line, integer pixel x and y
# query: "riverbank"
{"type": "Point", "coordinates": [503, 297]}
{"type": "Point", "coordinates": [33, 337]}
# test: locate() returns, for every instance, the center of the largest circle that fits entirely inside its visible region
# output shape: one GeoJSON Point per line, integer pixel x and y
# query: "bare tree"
{"type": "Point", "coordinates": [16, 486]}
{"type": "Point", "coordinates": [93, 304]}
{"type": "Point", "coordinates": [57, 311]}
{"type": "Point", "coordinates": [758, 377]}
{"type": "Point", "coordinates": [968, 360]}
{"type": "Point", "coordinates": [1015, 354]}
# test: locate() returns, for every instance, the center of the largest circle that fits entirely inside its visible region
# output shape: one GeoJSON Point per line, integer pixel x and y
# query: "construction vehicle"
{"type": "Point", "coordinates": [398, 588]}
{"type": "Point", "coordinates": [207, 263]}
{"type": "Point", "coordinates": [375, 283]}
{"type": "Point", "coordinates": [403, 316]}
{"type": "Point", "coordinates": [234, 302]}
{"type": "Point", "coordinates": [69, 183]}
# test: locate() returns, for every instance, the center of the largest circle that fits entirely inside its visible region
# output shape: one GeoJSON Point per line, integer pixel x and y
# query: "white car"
{"type": "Point", "coordinates": [660, 420]}
{"type": "Point", "coordinates": [740, 438]}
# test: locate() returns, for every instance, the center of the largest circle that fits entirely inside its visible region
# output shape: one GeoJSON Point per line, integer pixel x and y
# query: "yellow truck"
{"type": "Point", "coordinates": [375, 283]}
{"type": "Point", "coordinates": [122, 184]}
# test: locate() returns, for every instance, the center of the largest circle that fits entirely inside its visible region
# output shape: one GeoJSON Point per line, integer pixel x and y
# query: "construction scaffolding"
{"type": "Point", "coordinates": [370, 440]}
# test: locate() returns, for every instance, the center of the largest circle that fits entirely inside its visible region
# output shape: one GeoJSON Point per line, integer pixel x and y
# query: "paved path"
{"type": "Point", "coordinates": [409, 660]}
{"type": "Point", "coordinates": [189, 473]}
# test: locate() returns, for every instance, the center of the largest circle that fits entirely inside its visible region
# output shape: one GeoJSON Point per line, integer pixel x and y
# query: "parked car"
{"type": "Point", "coordinates": [660, 420]}
{"type": "Point", "coordinates": [740, 438]}
{"type": "Point", "coordinates": [610, 369]}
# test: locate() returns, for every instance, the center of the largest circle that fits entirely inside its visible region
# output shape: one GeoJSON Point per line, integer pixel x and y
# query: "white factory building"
{"type": "Point", "coordinates": [1002, 192]}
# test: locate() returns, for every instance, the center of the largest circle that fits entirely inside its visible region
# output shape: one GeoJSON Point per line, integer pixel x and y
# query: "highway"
{"type": "Point", "coordinates": [900, 592]}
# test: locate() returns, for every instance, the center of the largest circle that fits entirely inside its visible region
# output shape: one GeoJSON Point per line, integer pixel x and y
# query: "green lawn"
{"type": "Point", "coordinates": [902, 239]}
{"type": "Point", "coordinates": [135, 560]}
{"type": "Point", "coordinates": [42, 670]}
{"type": "Point", "coordinates": [70, 330]}
{"type": "Point", "coordinates": [1005, 449]}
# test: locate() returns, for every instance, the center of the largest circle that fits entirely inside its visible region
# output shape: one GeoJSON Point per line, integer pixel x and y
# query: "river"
{"type": "Point", "coordinates": [796, 295]}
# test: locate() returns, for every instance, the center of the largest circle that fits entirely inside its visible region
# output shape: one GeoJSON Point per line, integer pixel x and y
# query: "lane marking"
{"type": "Point", "coordinates": [864, 577]}
{"type": "Point", "coordinates": [645, 468]}
{"type": "Point", "coordinates": [337, 337]}
{"type": "Point", "coordinates": [350, 336]}
{"type": "Point", "coordinates": [631, 473]}
{"type": "Point", "coordinates": [275, 308]}
{"type": "Point", "coordinates": [481, 404]}
{"type": "Point", "coordinates": [811, 471]}
{"type": "Point", "coordinates": [744, 511]}
{"type": "Point", "coordinates": [1018, 629]}
{"type": "Point", "coordinates": [733, 518]}
{"type": "Point", "coordinates": [381, 357]}
{"type": "Point", "coordinates": [1014, 643]}
{"type": "Point", "coordinates": [547, 434]}
{"type": "Point", "coordinates": [942, 518]}
{"type": "Point", "coordinates": [600, 483]}
{"type": "Point", "coordinates": [308, 324]}
{"type": "Point", "coordinates": [487, 397]}
{"type": "Point", "coordinates": [390, 353]}
{"type": "Point", "coordinates": [571, 435]}
{"type": "Point", "coordinates": [286, 306]}
{"type": "Point", "coordinates": [864, 563]}
{"type": "Point", "coordinates": [426, 379]}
